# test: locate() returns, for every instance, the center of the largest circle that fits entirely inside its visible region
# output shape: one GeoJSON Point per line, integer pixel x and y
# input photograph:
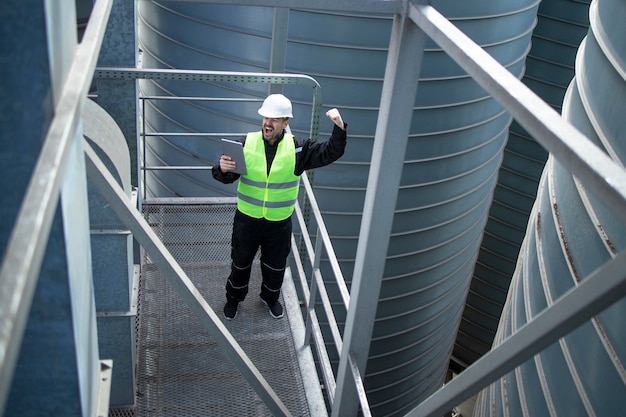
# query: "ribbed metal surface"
{"type": "Point", "coordinates": [569, 235]}
{"type": "Point", "coordinates": [452, 160]}
{"type": "Point", "coordinates": [561, 26]}
{"type": "Point", "coordinates": [448, 176]}
{"type": "Point", "coordinates": [209, 37]}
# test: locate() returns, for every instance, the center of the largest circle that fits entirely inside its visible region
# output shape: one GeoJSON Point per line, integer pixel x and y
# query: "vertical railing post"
{"type": "Point", "coordinates": [313, 288]}
{"type": "Point", "coordinates": [142, 148]}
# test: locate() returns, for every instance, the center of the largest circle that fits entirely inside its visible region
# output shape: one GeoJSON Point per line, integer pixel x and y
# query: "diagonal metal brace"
{"type": "Point", "coordinates": [169, 267]}
{"type": "Point", "coordinates": [598, 291]}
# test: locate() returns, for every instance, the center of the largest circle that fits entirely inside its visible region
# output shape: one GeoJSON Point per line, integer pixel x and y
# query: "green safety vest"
{"type": "Point", "coordinates": [272, 196]}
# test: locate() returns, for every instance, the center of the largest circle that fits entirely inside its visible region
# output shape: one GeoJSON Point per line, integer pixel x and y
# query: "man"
{"type": "Point", "coordinates": [266, 197]}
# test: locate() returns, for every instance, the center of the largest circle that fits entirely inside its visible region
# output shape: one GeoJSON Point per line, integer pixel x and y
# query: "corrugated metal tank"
{"type": "Point", "coordinates": [570, 234]}
{"type": "Point", "coordinates": [561, 26]}
{"type": "Point", "coordinates": [454, 152]}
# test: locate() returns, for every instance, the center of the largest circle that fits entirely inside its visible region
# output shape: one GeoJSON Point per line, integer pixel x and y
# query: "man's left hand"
{"type": "Point", "coordinates": [334, 115]}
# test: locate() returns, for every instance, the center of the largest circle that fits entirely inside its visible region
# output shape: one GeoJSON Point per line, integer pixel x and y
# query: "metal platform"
{"type": "Point", "coordinates": [181, 371]}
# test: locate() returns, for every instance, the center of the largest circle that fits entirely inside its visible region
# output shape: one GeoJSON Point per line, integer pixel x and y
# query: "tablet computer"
{"type": "Point", "coordinates": [234, 149]}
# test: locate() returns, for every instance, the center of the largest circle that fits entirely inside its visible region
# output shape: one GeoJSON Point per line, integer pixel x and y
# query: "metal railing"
{"type": "Point", "coordinates": [205, 76]}
{"type": "Point", "coordinates": [314, 287]}
{"type": "Point", "coordinates": [310, 289]}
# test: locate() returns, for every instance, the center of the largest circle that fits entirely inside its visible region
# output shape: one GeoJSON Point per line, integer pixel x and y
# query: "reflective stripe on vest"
{"type": "Point", "coordinates": [272, 196]}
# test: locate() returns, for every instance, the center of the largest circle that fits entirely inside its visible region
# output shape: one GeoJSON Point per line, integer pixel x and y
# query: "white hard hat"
{"type": "Point", "coordinates": [276, 106]}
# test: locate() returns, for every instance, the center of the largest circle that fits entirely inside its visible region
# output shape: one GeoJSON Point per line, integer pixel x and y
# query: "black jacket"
{"type": "Point", "coordinates": [309, 154]}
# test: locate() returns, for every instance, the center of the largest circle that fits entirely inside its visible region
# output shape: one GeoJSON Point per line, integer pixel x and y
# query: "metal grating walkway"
{"type": "Point", "coordinates": [181, 371]}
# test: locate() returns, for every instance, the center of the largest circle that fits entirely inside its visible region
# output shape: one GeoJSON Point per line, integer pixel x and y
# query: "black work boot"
{"type": "Point", "coordinates": [276, 308]}
{"type": "Point", "coordinates": [230, 309]}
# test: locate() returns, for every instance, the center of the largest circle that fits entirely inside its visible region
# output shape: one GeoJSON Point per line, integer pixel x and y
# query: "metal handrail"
{"type": "Point", "coordinates": [332, 259]}
{"type": "Point", "coordinates": [317, 287]}
{"type": "Point", "coordinates": [207, 76]}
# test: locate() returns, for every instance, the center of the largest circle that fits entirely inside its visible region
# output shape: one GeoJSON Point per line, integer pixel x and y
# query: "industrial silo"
{"type": "Point", "coordinates": [570, 234]}
{"type": "Point", "coordinates": [454, 152]}
{"type": "Point", "coordinates": [561, 26]}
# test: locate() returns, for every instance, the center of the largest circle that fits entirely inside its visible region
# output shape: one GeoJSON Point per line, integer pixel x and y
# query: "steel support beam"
{"type": "Point", "coordinates": [394, 118]}
{"type": "Point", "coordinates": [594, 294]}
{"type": "Point", "coordinates": [25, 250]}
{"type": "Point", "coordinates": [595, 169]}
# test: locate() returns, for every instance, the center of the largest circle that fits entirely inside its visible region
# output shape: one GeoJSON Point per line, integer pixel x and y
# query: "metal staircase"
{"type": "Point", "coordinates": [37, 223]}
{"type": "Point", "coordinates": [181, 370]}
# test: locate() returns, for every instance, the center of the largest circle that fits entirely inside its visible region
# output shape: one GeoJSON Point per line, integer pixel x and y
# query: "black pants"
{"type": "Point", "coordinates": [274, 239]}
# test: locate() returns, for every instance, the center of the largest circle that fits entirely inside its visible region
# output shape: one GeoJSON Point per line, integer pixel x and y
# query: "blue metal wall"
{"type": "Point", "coordinates": [452, 160]}
{"type": "Point", "coordinates": [57, 371]}
{"type": "Point", "coordinates": [569, 235]}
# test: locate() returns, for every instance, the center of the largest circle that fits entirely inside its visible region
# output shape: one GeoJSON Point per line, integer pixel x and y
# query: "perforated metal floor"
{"type": "Point", "coordinates": [181, 371]}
